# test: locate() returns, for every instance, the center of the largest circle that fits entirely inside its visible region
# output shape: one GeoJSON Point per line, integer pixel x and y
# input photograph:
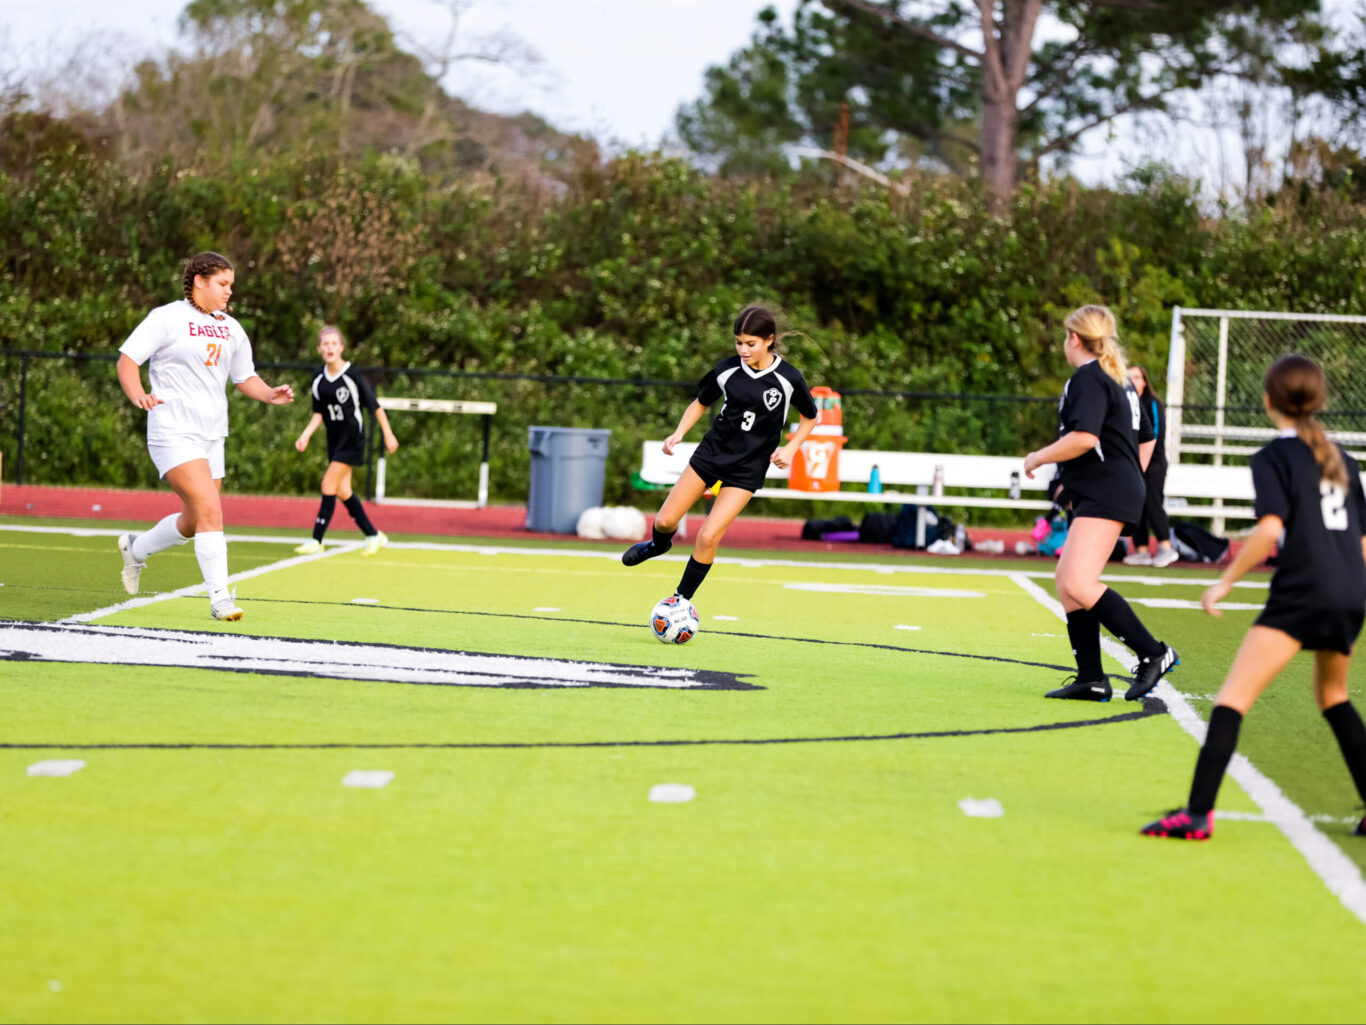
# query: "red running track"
{"type": "Point", "coordinates": [292, 513]}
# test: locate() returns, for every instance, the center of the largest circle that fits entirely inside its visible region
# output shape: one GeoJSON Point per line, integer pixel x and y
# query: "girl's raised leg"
{"type": "Point", "coordinates": [727, 506]}
{"type": "Point", "coordinates": [686, 490]}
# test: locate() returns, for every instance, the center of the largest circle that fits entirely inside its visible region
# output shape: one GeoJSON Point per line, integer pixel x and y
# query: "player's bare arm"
{"type": "Point", "coordinates": [686, 423]}
{"type": "Point", "coordinates": [255, 388]}
{"type": "Point", "coordinates": [1069, 446]}
{"type": "Point", "coordinates": [390, 442]}
{"type": "Point", "coordinates": [130, 378]}
{"type": "Point", "coordinates": [782, 457]}
{"type": "Point", "coordinates": [314, 422]}
{"type": "Point", "coordinates": [1253, 553]}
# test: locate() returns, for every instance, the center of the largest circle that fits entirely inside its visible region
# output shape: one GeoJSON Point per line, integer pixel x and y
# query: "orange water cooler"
{"type": "Point", "coordinates": [816, 466]}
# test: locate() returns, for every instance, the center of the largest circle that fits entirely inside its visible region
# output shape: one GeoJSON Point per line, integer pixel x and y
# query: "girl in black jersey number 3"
{"type": "Point", "coordinates": [1105, 440]}
{"type": "Point", "coordinates": [758, 386]}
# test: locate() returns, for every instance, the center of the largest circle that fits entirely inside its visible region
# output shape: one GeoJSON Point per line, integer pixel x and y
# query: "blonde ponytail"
{"type": "Point", "coordinates": [1296, 388]}
{"type": "Point", "coordinates": [1095, 326]}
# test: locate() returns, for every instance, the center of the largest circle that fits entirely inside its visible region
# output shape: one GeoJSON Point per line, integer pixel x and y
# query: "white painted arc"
{"type": "Point", "coordinates": [108, 645]}
{"type": "Point", "coordinates": [1338, 872]}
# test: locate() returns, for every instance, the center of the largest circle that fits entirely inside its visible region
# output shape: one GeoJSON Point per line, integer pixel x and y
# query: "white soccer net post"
{"type": "Point", "coordinates": [1214, 380]}
{"type": "Point", "coordinates": [450, 406]}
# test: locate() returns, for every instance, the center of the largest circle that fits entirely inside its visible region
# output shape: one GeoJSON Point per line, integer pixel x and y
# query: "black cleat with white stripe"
{"type": "Point", "coordinates": [1073, 689]}
{"type": "Point", "coordinates": [1150, 670]}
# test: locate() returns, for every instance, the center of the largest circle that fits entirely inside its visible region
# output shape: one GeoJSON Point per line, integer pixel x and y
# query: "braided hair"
{"type": "Point", "coordinates": [203, 265]}
{"type": "Point", "coordinates": [1296, 388]}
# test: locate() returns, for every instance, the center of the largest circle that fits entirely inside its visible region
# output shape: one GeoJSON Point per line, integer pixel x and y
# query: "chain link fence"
{"type": "Point", "coordinates": [64, 420]}
{"type": "Point", "coordinates": [1214, 379]}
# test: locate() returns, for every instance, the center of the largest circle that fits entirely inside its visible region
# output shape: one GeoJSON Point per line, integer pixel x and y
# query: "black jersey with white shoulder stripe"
{"type": "Point", "coordinates": [1094, 402]}
{"type": "Point", "coordinates": [340, 400]}
{"type": "Point", "coordinates": [1320, 564]}
{"type": "Point", "coordinates": [750, 424]}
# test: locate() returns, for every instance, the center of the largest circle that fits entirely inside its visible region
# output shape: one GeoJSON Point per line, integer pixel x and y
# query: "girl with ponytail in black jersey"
{"type": "Point", "coordinates": [1104, 443]}
{"type": "Point", "coordinates": [1309, 500]}
{"type": "Point", "coordinates": [758, 386]}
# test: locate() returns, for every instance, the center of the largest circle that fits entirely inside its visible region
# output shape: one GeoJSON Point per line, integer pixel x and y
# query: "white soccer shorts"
{"type": "Point", "coordinates": [183, 450]}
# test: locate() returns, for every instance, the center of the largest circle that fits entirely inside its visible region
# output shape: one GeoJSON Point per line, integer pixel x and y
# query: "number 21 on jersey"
{"type": "Point", "coordinates": [215, 354]}
{"type": "Point", "coordinates": [1334, 505]}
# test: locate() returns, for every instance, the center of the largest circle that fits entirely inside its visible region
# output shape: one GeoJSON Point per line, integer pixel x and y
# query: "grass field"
{"type": "Point", "coordinates": [208, 863]}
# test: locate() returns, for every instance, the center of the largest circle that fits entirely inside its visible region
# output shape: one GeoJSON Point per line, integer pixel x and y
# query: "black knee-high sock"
{"type": "Point", "coordinates": [1083, 630]}
{"type": "Point", "coordinates": [693, 577]}
{"type": "Point", "coordinates": [1116, 615]}
{"type": "Point", "coordinates": [1220, 740]}
{"type": "Point", "coordinates": [357, 512]}
{"type": "Point", "coordinates": [662, 540]}
{"type": "Point", "coordinates": [1351, 734]}
{"type": "Point", "coordinates": [325, 510]}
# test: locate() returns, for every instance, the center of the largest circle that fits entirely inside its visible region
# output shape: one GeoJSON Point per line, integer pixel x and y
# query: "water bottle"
{"type": "Point", "coordinates": [937, 488]}
{"type": "Point", "coordinates": [875, 481]}
{"type": "Point", "coordinates": [1015, 485]}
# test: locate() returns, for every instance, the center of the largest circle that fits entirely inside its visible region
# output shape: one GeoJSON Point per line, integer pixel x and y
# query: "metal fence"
{"type": "Point", "coordinates": [1215, 370]}
{"type": "Point", "coordinates": [64, 420]}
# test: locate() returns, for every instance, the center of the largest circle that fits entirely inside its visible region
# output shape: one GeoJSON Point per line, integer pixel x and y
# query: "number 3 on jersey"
{"type": "Point", "coordinates": [747, 422]}
{"type": "Point", "coordinates": [1334, 505]}
{"type": "Point", "coordinates": [215, 354]}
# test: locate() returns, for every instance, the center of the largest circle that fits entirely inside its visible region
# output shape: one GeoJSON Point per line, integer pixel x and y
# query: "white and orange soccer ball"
{"type": "Point", "coordinates": [674, 620]}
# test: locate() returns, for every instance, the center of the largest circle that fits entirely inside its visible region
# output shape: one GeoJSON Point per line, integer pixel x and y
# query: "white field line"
{"type": "Point", "coordinates": [200, 588]}
{"type": "Point", "coordinates": [1338, 872]}
{"type": "Point", "coordinates": [1186, 603]}
{"type": "Point", "coordinates": [612, 555]}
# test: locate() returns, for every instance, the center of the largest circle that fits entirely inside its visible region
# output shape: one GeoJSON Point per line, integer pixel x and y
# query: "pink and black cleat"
{"type": "Point", "coordinates": [1182, 825]}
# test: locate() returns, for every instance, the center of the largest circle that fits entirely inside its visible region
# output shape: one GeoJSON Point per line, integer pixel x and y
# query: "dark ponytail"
{"type": "Point", "coordinates": [1296, 388]}
{"type": "Point", "coordinates": [202, 265]}
{"type": "Point", "coordinates": [761, 322]}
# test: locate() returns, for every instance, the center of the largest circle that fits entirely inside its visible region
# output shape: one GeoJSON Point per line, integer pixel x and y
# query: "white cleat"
{"type": "Point", "coordinates": [310, 547]}
{"type": "Point", "coordinates": [132, 569]}
{"type": "Point", "coordinates": [374, 543]}
{"type": "Point", "coordinates": [226, 609]}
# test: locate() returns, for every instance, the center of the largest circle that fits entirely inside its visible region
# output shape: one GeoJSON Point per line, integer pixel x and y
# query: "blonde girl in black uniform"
{"type": "Point", "coordinates": [758, 386]}
{"type": "Point", "coordinates": [1309, 501]}
{"type": "Point", "coordinates": [1104, 443]}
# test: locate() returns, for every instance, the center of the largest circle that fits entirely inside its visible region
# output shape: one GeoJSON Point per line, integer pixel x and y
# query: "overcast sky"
{"type": "Point", "coordinates": [613, 69]}
{"type": "Point", "coordinates": [616, 69]}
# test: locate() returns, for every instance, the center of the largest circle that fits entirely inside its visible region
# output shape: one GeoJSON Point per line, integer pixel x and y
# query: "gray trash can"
{"type": "Point", "coordinates": [568, 465]}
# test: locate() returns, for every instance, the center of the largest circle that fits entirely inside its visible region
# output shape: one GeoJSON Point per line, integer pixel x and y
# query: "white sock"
{"type": "Point", "coordinates": [211, 549]}
{"type": "Point", "coordinates": [162, 536]}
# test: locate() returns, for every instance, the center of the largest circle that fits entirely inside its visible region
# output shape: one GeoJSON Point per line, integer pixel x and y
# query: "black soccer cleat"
{"type": "Point", "coordinates": [1073, 689]}
{"type": "Point", "coordinates": [638, 553]}
{"type": "Point", "coordinates": [1150, 670]}
{"type": "Point", "coordinates": [1182, 825]}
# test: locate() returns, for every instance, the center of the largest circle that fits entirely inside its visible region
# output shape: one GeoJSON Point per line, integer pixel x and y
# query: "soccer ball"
{"type": "Point", "coordinates": [674, 620]}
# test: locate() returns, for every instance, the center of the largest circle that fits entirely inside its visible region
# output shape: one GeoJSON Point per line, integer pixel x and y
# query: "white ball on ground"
{"type": "Point", "coordinates": [618, 523]}
{"type": "Point", "coordinates": [591, 523]}
{"type": "Point", "coordinates": [674, 620]}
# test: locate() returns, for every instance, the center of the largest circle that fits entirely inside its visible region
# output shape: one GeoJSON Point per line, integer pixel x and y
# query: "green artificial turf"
{"type": "Point", "coordinates": [812, 879]}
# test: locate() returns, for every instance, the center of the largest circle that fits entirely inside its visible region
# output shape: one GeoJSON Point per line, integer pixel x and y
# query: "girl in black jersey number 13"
{"type": "Point", "coordinates": [1104, 443]}
{"type": "Point", "coordinates": [758, 386]}
{"type": "Point", "coordinates": [340, 398]}
{"type": "Point", "coordinates": [1309, 499]}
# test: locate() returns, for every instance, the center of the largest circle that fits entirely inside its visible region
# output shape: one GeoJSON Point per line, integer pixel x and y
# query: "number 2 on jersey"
{"type": "Point", "coordinates": [215, 353]}
{"type": "Point", "coordinates": [1334, 505]}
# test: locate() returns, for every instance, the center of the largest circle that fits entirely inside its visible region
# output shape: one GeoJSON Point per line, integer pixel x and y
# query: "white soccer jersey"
{"type": "Point", "coordinates": [192, 356]}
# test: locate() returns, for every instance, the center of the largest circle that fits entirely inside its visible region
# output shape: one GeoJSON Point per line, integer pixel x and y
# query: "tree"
{"type": "Point", "coordinates": [999, 84]}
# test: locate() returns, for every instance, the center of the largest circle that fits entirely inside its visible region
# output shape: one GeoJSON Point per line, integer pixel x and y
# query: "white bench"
{"type": "Point", "coordinates": [1212, 486]}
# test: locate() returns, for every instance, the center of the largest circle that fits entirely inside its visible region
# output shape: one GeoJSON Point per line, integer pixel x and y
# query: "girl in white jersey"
{"type": "Point", "coordinates": [193, 347]}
